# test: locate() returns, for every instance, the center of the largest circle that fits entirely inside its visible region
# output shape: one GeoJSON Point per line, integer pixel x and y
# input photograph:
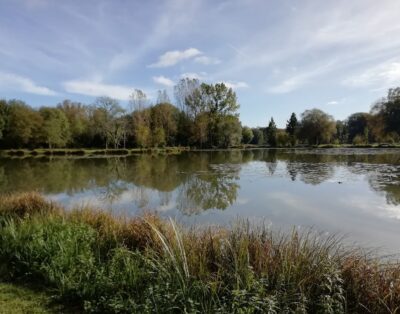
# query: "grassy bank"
{"type": "Point", "coordinates": [373, 145]}
{"type": "Point", "coordinates": [98, 263]}
{"type": "Point", "coordinates": [87, 152]}
{"type": "Point", "coordinates": [166, 150]}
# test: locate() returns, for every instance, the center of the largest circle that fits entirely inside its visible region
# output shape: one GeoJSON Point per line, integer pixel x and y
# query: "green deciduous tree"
{"type": "Point", "coordinates": [317, 127]}
{"type": "Point", "coordinates": [3, 117]}
{"type": "Point", "coordinates": [78, 119]}
{"type": "Point", "coordinates": [184, 89]}
{"type": "Point", "coordinates": [389, 109]}
{"type": "Point", "coordinates": [55, 130]}
{"type": "Point", "coordinates": [258, 138]}
{"type": "Point", "coordinates": [165, 116]}
{"type": "Point", "coordinates": [341, 132]}
{"type": "Point", "coordinates": [357, 123]}
{"type": "Point", "coordinates": [211, 109]}
{"type": "Point", "coordinates": [22, 127]}
{"type": "Point", "coordinates": [247, 135]}
{"type": "Point", "coordinates": [109, 121]}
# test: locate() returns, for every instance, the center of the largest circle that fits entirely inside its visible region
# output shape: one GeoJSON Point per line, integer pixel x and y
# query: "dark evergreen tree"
{"type": "Point", "coordinates": [292, 124]}
{"type": "Point", "coordinates": [271, 133]}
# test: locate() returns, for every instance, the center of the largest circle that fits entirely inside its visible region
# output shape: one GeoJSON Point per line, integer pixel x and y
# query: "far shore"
{"type": "Point", "coordinates": [39, 152]}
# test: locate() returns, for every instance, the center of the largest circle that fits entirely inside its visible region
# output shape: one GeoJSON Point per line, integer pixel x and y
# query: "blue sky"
{"type": "Point", "coordinates": [280, 56]}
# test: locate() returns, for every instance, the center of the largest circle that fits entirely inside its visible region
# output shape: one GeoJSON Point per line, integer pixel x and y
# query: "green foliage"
{"type": "Point", "coordinates": [109, 120]}
{"type": "Point", "coordinates": [271, 133]}
{"type": "Point", "coordinates": [341, 132]}
{"type": "Point", "coordinates": [292, 124]}
{"type": "Point", "coordinates": [316, 127]}
{"type": "Point", "coordinates": [258, 138]}
{"type": "Point", "coordinates": [206, 116]}
{"type": "Point", "coordinates": [55, 128]}
{"type": "Point", "coordinates": [228, 132]}
{"type": "Point", "coordinates": [22, 125]}
{"type": "Point", "coordinates": [247, 135]}
{"type": "Point", "coordinates": [283, 139]}
{"type": "Point", "coordinates": [158, 137]}
{"type": "Point", "coordinates": [78, 120]}
{"type": "Point", "coordinates": [389, 110]}
{"type": "Point", "coordinates": [212, 111]}
{"type": "Point", "coordinates": [356, 124]}
{"type": "Point", "coordinates": [3, 116]}
{"type": "Point", "coordinates": [145, 265]}
{"type": "Point", "coordinates": [17, 299]}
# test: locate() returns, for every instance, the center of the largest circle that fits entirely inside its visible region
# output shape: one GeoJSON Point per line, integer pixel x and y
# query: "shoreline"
{"type": "Point", "coordinates": [92, 152]}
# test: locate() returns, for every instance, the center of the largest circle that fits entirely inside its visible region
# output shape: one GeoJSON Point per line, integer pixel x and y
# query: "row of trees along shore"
{"type": "Point", "coordinates": [204, 116]}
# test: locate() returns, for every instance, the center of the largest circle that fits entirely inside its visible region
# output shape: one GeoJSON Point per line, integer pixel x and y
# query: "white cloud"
{"type": "Point", "coordinates": [236, 85]}
{"type": "Point", "coordinates": [192, 75]}
{"type": "Point", "coordinates": [96, 88]}
{"type": "Point", "coordinates": [171, 58]}
{"type": "Point", "coordinates": [19, 83]}
{"type": "Point", "coordinates": [163, 81]}
{"type": "Point", "coordinates": [332, 102]}
{"type": "Point", "coordinates": [206, 60]}
{"type": "Point", "coordinates": [381, 76]}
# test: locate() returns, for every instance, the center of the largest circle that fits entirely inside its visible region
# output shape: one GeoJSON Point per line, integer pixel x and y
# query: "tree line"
{"type": "Point", "coordinates": [204, 116]}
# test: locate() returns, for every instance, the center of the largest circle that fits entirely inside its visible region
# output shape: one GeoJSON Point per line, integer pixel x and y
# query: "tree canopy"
{"type": "Point", "coordinates": [204, 116]}
{"type": "Point", "coordinates": [317, 127]}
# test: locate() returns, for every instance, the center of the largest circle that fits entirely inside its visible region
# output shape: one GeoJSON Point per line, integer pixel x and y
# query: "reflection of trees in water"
{"type": "Point", "coordinates": [270, 158]}
{"type": "Point", "coordinates": [382, 172]}
{"type": "Point", "coordinates": [315, 173]}
{"type": "Point", "coordinates": [308, 168]}
{"type": "Point", "coordinates": [202, 180]}
{"type": "Point", "coordinates": [386, 181]}
{"type": "Point", "coordinates": [216, 187]}
{"type": "Point", "coordinates": [133, 177]}
{"type": "Point", "coordinates": [392, 192]}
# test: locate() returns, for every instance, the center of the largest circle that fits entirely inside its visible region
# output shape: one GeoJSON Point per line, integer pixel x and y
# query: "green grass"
{"type": "Point", "coordinates": [17, 299]}
{"type": "Point", "coordinates": [98, 263]}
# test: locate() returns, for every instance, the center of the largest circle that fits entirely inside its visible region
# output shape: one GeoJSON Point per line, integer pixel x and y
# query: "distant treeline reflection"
{"type": "Point", "coordinates": [201, 180]}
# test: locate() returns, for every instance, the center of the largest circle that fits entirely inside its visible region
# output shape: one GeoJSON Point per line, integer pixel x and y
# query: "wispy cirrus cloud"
{"type": "Point", "coordinates": [236, 85]}
{"type": "Point", "coordinates": [96, 89]}
{"type": "Point", "coordinates": [162, 80]}
{"type": "Point", "coordinates": [171, 58]}
{"type": "Point", "coordinates": [207, 60]}
{"type": "Point", "coordinates": [381, 76]}
{"type": "Point", "coordinates": [332, 103]}
{"type": "Point", "coordinates": [17, 83]}
{"type": "Point", "coordinates": [300, 78]}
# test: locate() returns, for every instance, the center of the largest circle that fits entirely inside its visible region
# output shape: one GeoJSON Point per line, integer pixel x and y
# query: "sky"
{"type": "Point", "coordinates": [279, 56]}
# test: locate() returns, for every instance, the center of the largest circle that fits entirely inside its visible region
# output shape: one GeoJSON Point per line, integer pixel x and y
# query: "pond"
{"type": "Point", "coordinates": [352, 192]}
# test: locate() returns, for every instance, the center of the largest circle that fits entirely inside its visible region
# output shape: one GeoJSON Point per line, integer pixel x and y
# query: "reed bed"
{"type": "Point", "coordinates": [105, 264]}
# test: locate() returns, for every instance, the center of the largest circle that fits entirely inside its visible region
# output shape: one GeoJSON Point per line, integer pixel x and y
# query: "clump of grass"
{"type": "Point", "coordinates": [145, 264]}
{"type": "Point", "coordinates": [25, 204]}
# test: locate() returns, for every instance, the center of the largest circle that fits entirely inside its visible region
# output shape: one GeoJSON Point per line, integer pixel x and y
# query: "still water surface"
{"type": "Point", "coordinates": [355, 193]}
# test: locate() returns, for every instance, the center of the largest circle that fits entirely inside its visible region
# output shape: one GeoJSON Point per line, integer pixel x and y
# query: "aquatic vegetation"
{"type": "Point", "coordinates": [103, 263]}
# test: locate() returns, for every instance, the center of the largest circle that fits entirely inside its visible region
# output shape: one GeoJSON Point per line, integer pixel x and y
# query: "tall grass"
{"type": "Point", "coordinates": [145, 264]}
